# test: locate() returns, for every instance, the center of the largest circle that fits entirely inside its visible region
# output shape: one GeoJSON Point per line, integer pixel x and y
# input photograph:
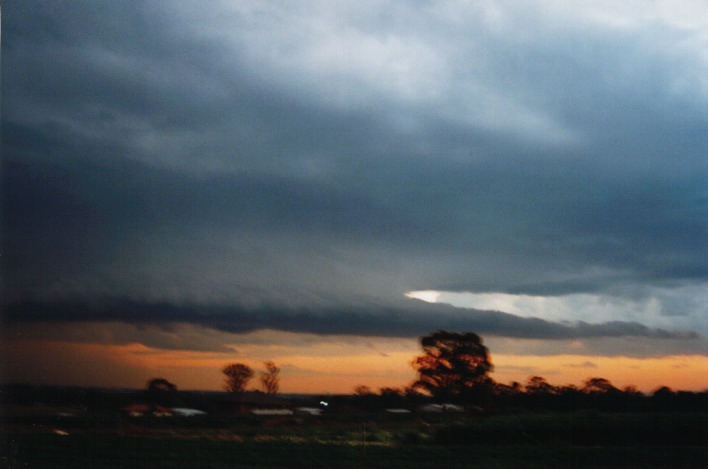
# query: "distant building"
{"type": "Point", "coordinates": [140, 410]}
{"type": "Point", "coordinates": [439, 408]}
{"type": "Point", "coordinates": [250, 401]}
{"type": "Point", "coordinates": [303, 411]}
{"type": "Point", "coordinates": [186, 412]}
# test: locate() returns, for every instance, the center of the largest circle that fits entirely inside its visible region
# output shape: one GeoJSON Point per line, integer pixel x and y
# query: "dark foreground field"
{"type": "Point", "coordinates": [578, 439]}
{"type": "Point", "coordinates": [124, 452]}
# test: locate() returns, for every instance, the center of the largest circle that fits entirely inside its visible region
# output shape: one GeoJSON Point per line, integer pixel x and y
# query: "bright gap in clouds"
{"type": "Point", "coordinates": [550, 308]}
{"type": "Point", "coordinates": [429, 296]}
{"type": "Point", "coordinates": [657, 310]}
{"type": "Point", "coordinates": [520, 305]}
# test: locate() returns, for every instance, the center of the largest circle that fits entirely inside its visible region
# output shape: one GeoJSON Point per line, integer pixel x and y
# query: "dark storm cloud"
{"type": "Point", "coordinates": [406, 320]}
{"type": "Point", "coordinates": [267, 159]}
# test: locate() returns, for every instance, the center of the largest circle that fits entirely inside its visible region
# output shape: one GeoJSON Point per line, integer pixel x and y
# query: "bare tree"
{"type": "Point", "coordinates": [362, 390]}
{"type": "Point", "coordinates": [237, 377]}
{"type": "Point", "coordinates": [270, 378]}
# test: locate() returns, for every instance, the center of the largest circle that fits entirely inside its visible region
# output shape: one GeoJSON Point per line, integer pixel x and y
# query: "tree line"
{"type": "Point", "coordinates": [454, 368]}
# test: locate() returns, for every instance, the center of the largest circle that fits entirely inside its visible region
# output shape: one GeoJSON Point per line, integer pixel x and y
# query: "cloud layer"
{"type": "Point", "coordinates": [257, 165]}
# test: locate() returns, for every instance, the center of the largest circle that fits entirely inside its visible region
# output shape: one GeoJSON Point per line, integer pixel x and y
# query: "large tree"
{"type": "Point", "coordinates": [270, 378]}
{"type": "Point", "coordinates": [453, 366]}
{"type": "Point", "coordinates": [162, 392]}
{"type": "Point", "coordinates": [237, 377]}
{"type": "Point", "coordinates": [160, 386]}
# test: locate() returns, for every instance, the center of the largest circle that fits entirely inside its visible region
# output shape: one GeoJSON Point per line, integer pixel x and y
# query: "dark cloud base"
{"type": "Point", "coordinates": [411, 320]}
{"type": "Point", "coordinates": [150, 153]}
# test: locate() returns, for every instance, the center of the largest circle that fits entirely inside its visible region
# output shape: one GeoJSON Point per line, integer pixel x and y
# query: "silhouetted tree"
{"type": "Point", "coordinates": [599, 386]}
{"type": "Point", "coordinates": [568, 389]}
{"type": "Point", "coordinates": [237, 377]}
{"type": "Point", "coordinates": [453, 365]}
{"type": "Point", "coordinates": [160, 385]}
{"type": "Point", "coordinates": [538, 385]}
{"type": "Point", "coordinates": [632, 398]}
{"type": "Point", "coordinates": [663, 391]}
{"type": "Point", "coordinates": [515, 387]}
{"type": "Point", "coordinates": [601, 394]}
{"type": "Point", "coordinates": [390, 397]}
{"type": "Point", "coordinates": [270, 378]}
{"type": "Point", "coordinates": [364, 397]}
{"type": "Point", "coordinates": [507, 394]}
{"type": "Point", "coordinates": [362, 390]}
{"type": "Point", "coordinates": [411, 392]}
{"type": "Point", "coordinates": [506, 390]}
{"type": "Point", "coordinates": [663, 398]}
{"type": "Point", "coordinates": [162, 392]}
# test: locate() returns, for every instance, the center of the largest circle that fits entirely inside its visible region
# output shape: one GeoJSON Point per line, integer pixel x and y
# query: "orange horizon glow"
{"type": "Point", "coordinates": [325, 369]}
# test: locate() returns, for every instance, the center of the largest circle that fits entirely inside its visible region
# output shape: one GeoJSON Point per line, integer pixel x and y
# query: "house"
{"type": "Point", "coordinates": [250, 402]}
{"type": "Point", "coordinates": [186, 412]}
{"type": "Point", "coordinates": [139, 410]}
{"type": "Point", "coordinates": [304, 411]}
{"type": "Point", "coordinates": [439, 408]}
{"type": "Point", "coordinates": [397, 411]}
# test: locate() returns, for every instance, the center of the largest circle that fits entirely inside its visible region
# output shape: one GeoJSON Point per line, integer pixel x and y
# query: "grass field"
{"type": "Point", "coordinates": [114, 451]}
{"type": "Point", "coordinates": [579, 439]}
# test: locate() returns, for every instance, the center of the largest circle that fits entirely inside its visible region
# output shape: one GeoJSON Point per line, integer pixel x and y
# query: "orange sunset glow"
{"type": "Point", "coordinates": [326, 368]}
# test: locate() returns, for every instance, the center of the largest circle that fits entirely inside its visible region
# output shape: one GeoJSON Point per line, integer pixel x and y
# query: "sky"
{"type": "Point", "coordinates": [185, 184]}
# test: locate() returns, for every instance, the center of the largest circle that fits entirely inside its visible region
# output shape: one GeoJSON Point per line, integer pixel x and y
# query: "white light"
{"type": "Point", "coordinates": [429, 296]}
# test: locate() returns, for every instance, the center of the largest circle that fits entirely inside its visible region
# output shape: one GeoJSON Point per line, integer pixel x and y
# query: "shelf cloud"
{"type": "Point", "coordinates": [303, 166]}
